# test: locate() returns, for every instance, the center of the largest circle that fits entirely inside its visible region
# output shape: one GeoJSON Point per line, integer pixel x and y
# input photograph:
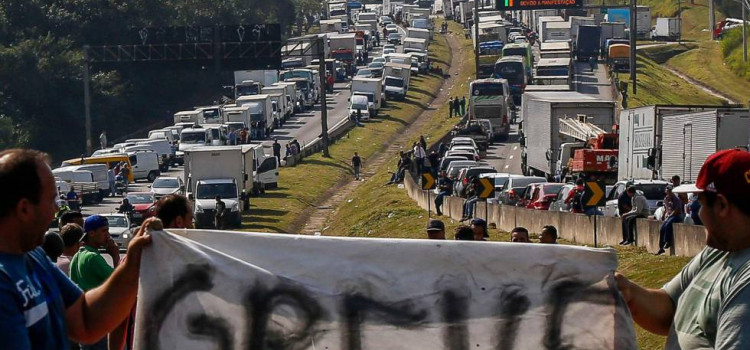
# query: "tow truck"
{"type": "Point", "coordinates": [594, 153]}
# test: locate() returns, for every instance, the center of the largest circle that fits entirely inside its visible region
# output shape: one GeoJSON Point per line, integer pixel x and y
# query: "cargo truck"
{"type": "Point", "coordinates": [610, 30]}
{"type": "Point", "coordinates": [555, 31]}
{"type": "Point", "coordinates": [330, 26]}
{"type": "Point", "coordinates": [541, 113]}
{"type": "Point", "coordinates": [642, 138]}
{"type": "Point", "coordinates": [643, 19]}
{"type": "Point", "coordinates": [343, 47]}
{"type": "Point", "coordinates": [587, 44]}
{"type": "Point", "coordinates": [218, 171]}
{"type": "Point", "coordinates": [541, 20]}
{"type": "Point", "coordinates": [396, 80]}
{"type": "Point", "coordinates": [415, 45]}
{"type": "Point", "coordinates": [372, 88]}
{"type": "Point", "coordinates": [195, 116]}
{"type": "Point", "coordinates": [265, 77]}
{"type": "Point", "coordinates": [260, 110]}
{"type": "Point", "coordinates": [286, 106]}
{"type": "Point", "coordinates": [577, 21]}
{"type": "Point", "coordinates": [666, 29]}
{"type": "Point", "coordinates": [418, 33]}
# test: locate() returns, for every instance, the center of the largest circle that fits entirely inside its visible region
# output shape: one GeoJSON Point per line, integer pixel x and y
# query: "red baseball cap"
{"type": "Point", "coordinates": [726, 172]}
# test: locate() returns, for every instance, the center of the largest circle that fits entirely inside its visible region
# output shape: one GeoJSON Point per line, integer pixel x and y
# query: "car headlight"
{"type": "Point", "coordinates": [198, 208]}
{"type": "Point", "coordinates": [125, 235]}
{"type": "Point", "coordinates": [152, 209]}
{"type": "Point", "coordinates": [236, 207]}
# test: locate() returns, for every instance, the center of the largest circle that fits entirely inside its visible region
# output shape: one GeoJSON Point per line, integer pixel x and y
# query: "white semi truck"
{"type": "Point", "coordinates": [372, 88]}
{"type": "Point", "coordinates": [260, 109]}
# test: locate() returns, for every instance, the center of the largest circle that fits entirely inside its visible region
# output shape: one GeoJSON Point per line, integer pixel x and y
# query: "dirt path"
{"type": "Point", "coordinates": [707, 89]}
{"type": "Point", "coordinates": [319, 215]}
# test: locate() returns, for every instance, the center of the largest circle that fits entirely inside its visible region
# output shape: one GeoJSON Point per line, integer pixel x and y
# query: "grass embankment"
{"type": "Point", "coordinates": [657, 85]}
{"type": "Point", "coordinates": [377, 210]}
{"type": "Point", "coordinates": [305, 185]}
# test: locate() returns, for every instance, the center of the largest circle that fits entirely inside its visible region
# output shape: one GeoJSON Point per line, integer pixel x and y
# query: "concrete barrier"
{"type": "Point", "coordinates": [689, 240]}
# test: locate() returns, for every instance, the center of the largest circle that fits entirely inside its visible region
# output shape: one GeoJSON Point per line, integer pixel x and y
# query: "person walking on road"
{"type": "Point", "coordinates": [103, 139]}
{"type": "Point", "coordinates": [462, 104]}
{"type": "Point", "coordinates": [450, 108]}
{"type": "Point", "coordinates": [111, 181]}
{"type": "Point", "coordinates": [356, 163]}
{"type": "Point", "coordinates": [277, 149]}
{"type": "Point", "coordinates": [221, 207]}
{"type": "Point", "coordinates": [125, 172]}
{"type": "Point", "coordinates": [705, 305]}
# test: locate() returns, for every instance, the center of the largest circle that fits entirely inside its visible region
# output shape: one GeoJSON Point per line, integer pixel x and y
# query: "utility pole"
{"type": "Point", "coordinates": [744, 30]}
{"type": "Point", "coordinates": [476, 36]}
{"type": "Point", "coordinates": [711, 18]}
{"type": "Point", "coordinates": [323, 107]}
{"type": "Point", "coordinates": [633, 33]}
{"type": "Point", "coordinates": [679, 19]}
{"type": "Point", "coordinates": [87, 99]}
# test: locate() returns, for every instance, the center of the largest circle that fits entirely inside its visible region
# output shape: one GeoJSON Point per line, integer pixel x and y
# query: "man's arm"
{"type": "Point", "coordinates": [652, 309]}
{"type": "Point", "coordinates": [100, 310]}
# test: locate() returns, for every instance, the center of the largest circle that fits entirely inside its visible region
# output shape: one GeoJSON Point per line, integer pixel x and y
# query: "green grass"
{"type": "Point", "coordinates": [377, 210]}
{"type": "Point", "coordinates": [303, 186]}
{"type": "Point", "coordinates": [657, 85]}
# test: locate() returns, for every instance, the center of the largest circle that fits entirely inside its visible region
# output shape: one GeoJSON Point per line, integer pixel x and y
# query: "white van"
{"type": "Point", "coordinates": [162, 134]}
{"type": "Point", "coordinates": [145, 165]}
{"type": "Point", "coordinates": [99, 173]}
{"type": "Point", "coordinates": [162, 147]}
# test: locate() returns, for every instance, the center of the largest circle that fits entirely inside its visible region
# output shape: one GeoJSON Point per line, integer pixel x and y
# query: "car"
{"type": "Point", "coordinates": [456, 167]}
{"type": "Point", "coordinates": [388, 46]}
{"type": "Point", "coordinates": [446, 161]}
{"type": "Point", "coordinates": [539, 196]}
{"type": "Point", "coordinates": [144, 206]}
{"type": "Point", "coordinates": [165, 185]}
{"type": "Point", "coordinates": [514, 186]}
{"type": "Point", "coordinates": [461, 153]}
{"type": "Point", "coordinates": [391, 28]}
{"type": "Point", "coordinates": [653, 190]}
{"type": "Point", "coordinates": [487, 125]}
{"type": "Point", "coordinates": [120, 229]}
{"type": "Point", "coordinates": [499, 180]}
{"type": "Point", "coordinates": [558, 203]}
{"type": "Point", "coordinates": [365, 73]}
{"type": "Point", "coordinates": [463, 141]}
{"type": "Point", "coordinates": [394, 38]}
{"type": "Point", "coordinates": [388, 50]}
{"type": "Point", "coordinates": [462, 181]}
{"type": "Point", "coordinates": [469, 149]}
{"type": "Point", "coordinates": [380, 59]}
{"type": "Point", "coordinates": [385, 20]}
{"type": "Point", "coordinates": [376, 68]}
{"type": "Point", "coordinates": [519, 39]}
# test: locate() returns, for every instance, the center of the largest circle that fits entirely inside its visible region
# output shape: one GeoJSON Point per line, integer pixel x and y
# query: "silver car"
{"type": "Point", "coordinates": [164, 185]}
{"type": "Point", "coordinates": [120, 229]}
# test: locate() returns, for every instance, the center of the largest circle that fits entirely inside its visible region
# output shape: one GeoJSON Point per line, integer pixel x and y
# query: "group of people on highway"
{"type": "Point", "coordinates": [478, 231]}
{"type": "Point", "coordinates": [456, 107]}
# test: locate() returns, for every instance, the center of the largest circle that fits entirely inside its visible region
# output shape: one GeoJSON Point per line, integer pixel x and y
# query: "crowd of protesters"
{"type": "Point", "coordinates": [479, 231]}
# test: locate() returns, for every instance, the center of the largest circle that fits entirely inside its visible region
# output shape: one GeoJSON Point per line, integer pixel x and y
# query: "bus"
{"type": "Point", "coordinates": [513, 69]}
{"type": "Point", "coordinates": [523, 50]}
{"type": "Point", "coordinates": [490, 99]}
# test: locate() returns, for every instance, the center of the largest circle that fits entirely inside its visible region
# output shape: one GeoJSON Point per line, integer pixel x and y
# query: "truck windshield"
{"type": "Point", "coordinates": [394, 82]}
{"type": "Point", "coordinates": [487, 89]}
{"type": "Point", "coordinates": [211, 113]}
{"type": "Point", "coordinates": [342, 55]}
{"type": "Point", "coordinates": [210, 191]}
{"type": "Point", "coordinates": [245, 90]}
{"type": "Point", "coordinates": [301, 85]}
{"type": "Point", "coordinates": [512, 71]}
{"type": "Point", "coordinates": [193, 137]}
{"type": "Point", "coordinates": [370, 96]}
{"type": "Point", "coordinates": [552, 71]}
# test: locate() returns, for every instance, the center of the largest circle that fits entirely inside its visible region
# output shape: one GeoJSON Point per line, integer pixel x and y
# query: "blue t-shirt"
{"type": "Point", "coordinates": [34, 295]}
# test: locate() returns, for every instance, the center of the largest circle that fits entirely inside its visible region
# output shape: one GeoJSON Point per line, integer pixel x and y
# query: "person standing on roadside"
{"type": "Point", "coordinates": [419, 156]}
{"type": "Point", "coordinates": [450, 108]}
{"type": "Point", "coordinates": [277, 149]}
{"type": "Point", "coordinates": [125, 172]}
{"type": "Point", "coordinates": [356, 163]}
{"type": "Point", "coordinates": [463, 105]}
{"type": "Point", "coordinates": [71, 235]}
{"type": "Point", "coordinates": [88, 269]}
{"type": "Point", "coordinates": [705, 306]}
{"type": "Point", "coordinates": [456, 107]}
{"type": "Point", "coordinates": [111, 180]}
{"type": "Point", "coordinates": [423, 142]}
{"type": "Point", "coordinates": [220, 208]}
{"type": "Point", "coordinates": [434, 159]}
{"type": "Point", "coordinates": [103, 139]}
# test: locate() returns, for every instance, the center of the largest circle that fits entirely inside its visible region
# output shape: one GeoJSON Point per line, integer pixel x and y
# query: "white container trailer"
{"type": "Point", "coordinates": [577, 21]}
{"type": "Point", "coordinates": [555, 31]}
{"type": "Point", "coordinates": [418, 33]}
{"type": "Point", "coordinates": [195, 116]}
{"type": "Point", "coordinates": [265, 77]}
{"type": "Point", "coordinates": [611, 30]}
{"type": "Point", "coordinates": [370, 87]}
{"type": "Point", "coordinates": [415, 43]}
{"type": "Point", "coordinates": [330, 26]}
{"type": "Point", "coordinates": [541, 113]}
{"type": "Point", "coordinates": [540, 22]}
{"type": "Point", "coordinates": [536, 14]}
{"type": "Point", "coordinates": [260, 109]}
{"type": "Point", "coordinates": [690, 138]}
{"type": "Point", "coordinates": [286, 105]}
{"type": "Point", "coordinates": [667, 29]}
{"type": "Point", "coordinates": [643, 22]}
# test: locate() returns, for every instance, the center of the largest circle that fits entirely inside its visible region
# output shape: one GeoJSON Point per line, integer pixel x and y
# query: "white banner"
{"type": "Point", "coordinates": [239, 290]}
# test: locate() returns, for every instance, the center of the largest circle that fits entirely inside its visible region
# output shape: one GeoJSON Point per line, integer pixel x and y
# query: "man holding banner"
{"type": "Point", "coordinates": [706, 305]}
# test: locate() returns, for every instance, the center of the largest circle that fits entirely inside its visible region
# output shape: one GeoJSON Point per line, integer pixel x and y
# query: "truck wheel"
{"type": "Point", "coordinates": [152, 176]}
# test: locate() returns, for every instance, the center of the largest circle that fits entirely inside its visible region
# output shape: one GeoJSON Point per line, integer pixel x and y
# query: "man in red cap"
{"type": "Point", "coordinates": [707, 305]}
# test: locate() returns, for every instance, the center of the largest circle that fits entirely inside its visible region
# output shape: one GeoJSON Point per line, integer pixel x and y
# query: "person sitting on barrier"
{"type": "Point", "coordinates": [520, 235]}
{"type": "Point", "coordinates": [464, 233]}
{"type": "Point", "coordinates": [673, 214]}
{"type": "Point", "coordinates": [548, 235]}
{"type": "Point", "coordinates": [639, 209]}
{"type": "Point", "coordinates": [471, 194]}
{"type": "Point", "coordinates": [479, 228]}
{"type": "Point", "coordinates": [445, 186]}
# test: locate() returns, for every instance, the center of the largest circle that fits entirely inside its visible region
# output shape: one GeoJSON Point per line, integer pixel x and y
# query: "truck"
{"type": "Point", "coordinates": [311, 95]}
{"type": "Point", "coordinates": [667, 28]}
{"type": "Point", "coordinates": [330, 26]}
{"type": "Point", "coordinates": [335, 9]}
{"type": "Point", "coordinates": [284, 101]}
{"type": "Point", "coordinates": [212, 172]}
{"type": "Point", "coordinates": [237, 114]}
{"type": "Point", "coordinates": [247, 88]}
{"type": "Point", "coordinates": [577, 21]}
{"type": "Point", "coordinates": [291, 94]}
{"type": "Point", "coordinates": [536, 14]}
{"type": "Point", "coordinates": [593, 152]}
{"type": "Point", "coordinates": [541, 113]}
{"type": "Point", "coordinates": [490, 99]}
{"type": "Point", "coordinates": [372, 88]}
{"type": "Point", "coordinates": [555, 31]}
{"type": "Point", "coordinates": [343, 46]}
{"type": "Point", "coordinates": [277, 107]}
{"type": "Point", "coordinates": [555, 49]}
{"type": "Point", "coordinates": [194, 116]}
{"type": "Point", "coordinates": [264, 76]}
{"type": "Point", "coordinates": [643, 19]}
{"type": "Point", "coordinates": [418, 33]}
{"type": "Point", "coordinates": [415, 45]}
{"type": "Point", "coordinates": [618, 57]}
{"type": "Point", "coordinates": [367, 16]}
{"type": "Point", "coordinates": [542, 20]}
{"type": "Point", "coordinates": [260, 110]}
{"type": "Point", "coordinates": [690, 138]}
{"type": "Point", "coordinates": [396, 80]}
{"type": "Point", "coordinates": [587, 44]}
{"type": "Point", "coordinates": [610, 30]}
{"type": "Point", "coordinates": [641, 138]}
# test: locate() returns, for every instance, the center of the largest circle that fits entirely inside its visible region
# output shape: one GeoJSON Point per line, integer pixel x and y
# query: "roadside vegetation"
{"type": "Point", "coordinates": [308, 184]}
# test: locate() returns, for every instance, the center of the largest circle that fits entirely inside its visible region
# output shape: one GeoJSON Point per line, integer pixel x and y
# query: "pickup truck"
{"type": "Point", "coordinates": [474, 130]}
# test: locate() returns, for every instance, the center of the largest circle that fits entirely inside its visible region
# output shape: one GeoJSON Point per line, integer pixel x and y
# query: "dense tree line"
{"type": "Point", "coordinates": [41, 65]}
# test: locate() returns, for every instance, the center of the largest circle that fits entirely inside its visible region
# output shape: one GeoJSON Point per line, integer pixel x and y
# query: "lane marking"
{"type": "Point", "coordinates": [507, 166]}
{"type": "Point", "coordinates": [511, 157]}
{"type": "Point", "coordinates": [515, 148]}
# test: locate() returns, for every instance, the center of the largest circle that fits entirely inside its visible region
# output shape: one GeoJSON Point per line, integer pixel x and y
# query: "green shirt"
{"type": "Point", "coordinates": [712, 302]}
{"type": "Point", "coordinates": [88, 269]}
